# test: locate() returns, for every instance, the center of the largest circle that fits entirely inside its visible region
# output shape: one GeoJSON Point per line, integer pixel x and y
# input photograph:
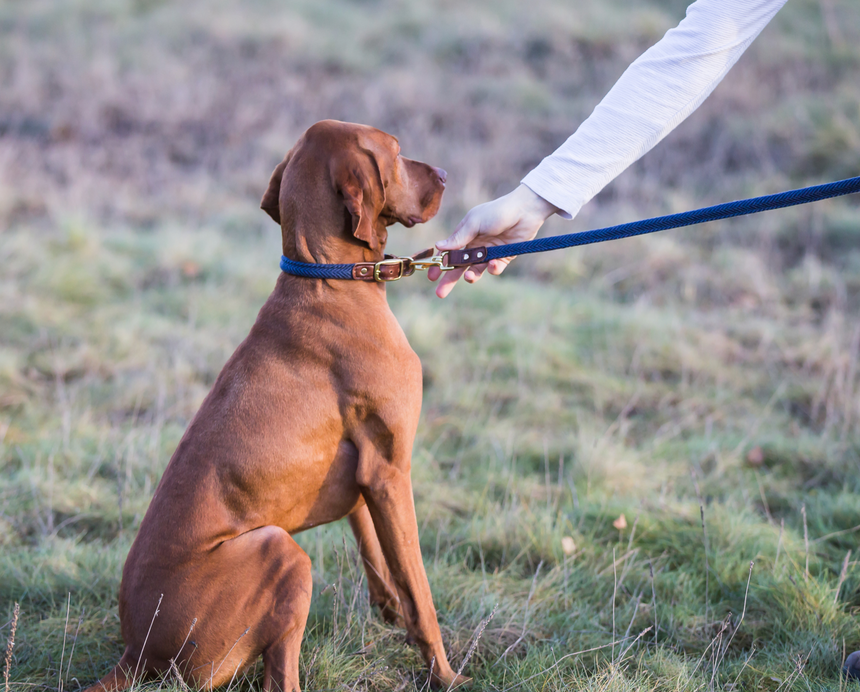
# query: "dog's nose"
{"type": "Point", "coordinates": [443, 175]}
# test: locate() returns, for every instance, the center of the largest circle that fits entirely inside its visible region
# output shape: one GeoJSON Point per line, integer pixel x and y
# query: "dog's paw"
{"type": "Point", "coordinates": [451, 681]}
{"type": "Point", "coordinates": [391, 614]}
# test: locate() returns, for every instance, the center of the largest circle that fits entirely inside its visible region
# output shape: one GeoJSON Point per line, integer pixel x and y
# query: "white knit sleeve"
{"type": "Point", "coordinates": [661, 88]}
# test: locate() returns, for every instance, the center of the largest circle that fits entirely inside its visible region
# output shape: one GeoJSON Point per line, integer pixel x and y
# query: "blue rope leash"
{"type": "Point", "coordinates": [316, 271]}
{"type": "Point", "coordinates": [688, 218]}
{"type": "Point", "coordinates": [728, 210]}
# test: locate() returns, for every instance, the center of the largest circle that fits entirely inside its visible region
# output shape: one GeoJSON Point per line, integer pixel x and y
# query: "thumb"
{"type": "Point", "coordinates": [464, 234]}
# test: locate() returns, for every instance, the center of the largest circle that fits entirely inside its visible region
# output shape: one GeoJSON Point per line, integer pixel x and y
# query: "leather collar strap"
{"type": "Point", "coordinates": [389, 269]}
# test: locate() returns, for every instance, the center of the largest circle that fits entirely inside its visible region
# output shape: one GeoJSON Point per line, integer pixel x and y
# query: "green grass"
{"type": "Point", "coordinates": [714, 367]}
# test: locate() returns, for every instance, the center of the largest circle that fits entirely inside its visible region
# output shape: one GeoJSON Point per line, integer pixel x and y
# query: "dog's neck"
{"type": "Point", "coordinates": [316, 227]}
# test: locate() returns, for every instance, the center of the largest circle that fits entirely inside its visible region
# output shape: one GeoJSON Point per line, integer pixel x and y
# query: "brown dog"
{"type": "Point", "coordinates": [311, 420]}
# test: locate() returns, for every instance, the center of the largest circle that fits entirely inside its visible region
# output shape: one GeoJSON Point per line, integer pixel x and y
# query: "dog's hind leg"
{"type": "Point", "coordinates": [383, 592]}
{"type": "Point", "coordinates": [292, 602]}
{"type": "Point", "coordinates": [114, 681]}
{"type": "Point", "coordinates": [250, 596]}
{"type": "Point", "coordinates": [281, 658]}
{"type": "Point", "coordinates": [275, 574]}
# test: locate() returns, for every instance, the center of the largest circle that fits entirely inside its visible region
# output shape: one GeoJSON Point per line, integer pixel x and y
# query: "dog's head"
{"type": "Point", "coordinates": [347, 181]}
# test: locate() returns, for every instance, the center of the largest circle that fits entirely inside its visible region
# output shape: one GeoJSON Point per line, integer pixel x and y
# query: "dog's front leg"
{"type": "Point", "coordinates": [387, 489]}
{"type": "Point", "coordinates": [383, 591]}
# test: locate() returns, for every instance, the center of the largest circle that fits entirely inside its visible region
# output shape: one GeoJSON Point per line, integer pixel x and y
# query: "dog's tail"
{"type": "Point", "coordinates": [115, 681]}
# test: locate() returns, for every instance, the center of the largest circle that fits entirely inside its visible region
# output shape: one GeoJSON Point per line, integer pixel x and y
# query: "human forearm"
{"type": "Point", "coordinates": [656, 93]}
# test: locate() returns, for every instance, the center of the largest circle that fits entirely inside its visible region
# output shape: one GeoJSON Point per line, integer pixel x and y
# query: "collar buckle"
{"type": "Point", "coordinates": [382, 276]}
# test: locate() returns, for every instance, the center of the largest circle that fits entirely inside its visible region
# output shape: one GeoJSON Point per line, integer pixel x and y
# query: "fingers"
{"type": "Point", "coordinates": [474, 272]}
{"type": "Point", "coordinates": [471, 274]}
{"type": "Point", "coordinates": [464, 234]}
{"type": "Point", "coordinates": [497, 266]}
{"type": "Point", "coordinates": [449, 280]}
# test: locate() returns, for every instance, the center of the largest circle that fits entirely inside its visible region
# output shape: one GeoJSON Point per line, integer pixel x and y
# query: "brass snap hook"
{"type": "Point", "coordinates": [437, 261]}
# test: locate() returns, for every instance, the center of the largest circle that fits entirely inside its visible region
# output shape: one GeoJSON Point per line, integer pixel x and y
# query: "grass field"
{"type": "Point", "coordinates": [702, 383]}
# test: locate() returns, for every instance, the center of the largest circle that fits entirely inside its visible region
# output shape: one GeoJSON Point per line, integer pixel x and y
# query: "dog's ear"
{"type": "Point", "coordinates": [271, 200]}
{"type": "Point", "coordinates": [359, 182]}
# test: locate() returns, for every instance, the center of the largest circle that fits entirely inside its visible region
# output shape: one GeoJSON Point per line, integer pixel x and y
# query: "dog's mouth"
{"type": "Point", "coordinates": [408, 221]}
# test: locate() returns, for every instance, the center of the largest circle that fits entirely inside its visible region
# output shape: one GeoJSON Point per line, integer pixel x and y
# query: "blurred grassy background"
{"type": "Point", "coordinates": [713, 366]}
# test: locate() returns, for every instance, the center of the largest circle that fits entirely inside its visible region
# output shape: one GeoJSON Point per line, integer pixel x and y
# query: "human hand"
{"type": "Point", "coordinates": [512, 218]}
